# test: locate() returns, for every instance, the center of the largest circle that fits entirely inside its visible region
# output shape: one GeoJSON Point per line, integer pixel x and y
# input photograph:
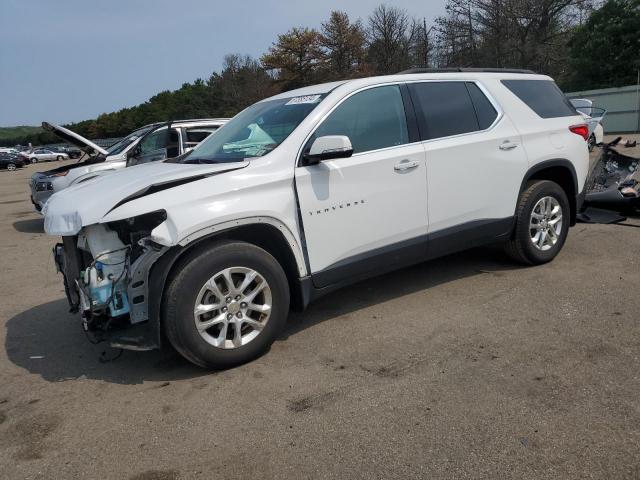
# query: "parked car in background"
{"type": "Point", "coordinates": [43, 155]}
{"type": "Point", "coordinates": [593, 116]}
{"type": "Point", "coordinates": [8, 150]}
{"type": "Point", "coordinates": [73, 152]}
{"type": "Point", "coordinates": [150, 143]}
{"type": "Point", "coordinates": [11, 161]}
{"type": "Point", "coordinates": [310, 190]}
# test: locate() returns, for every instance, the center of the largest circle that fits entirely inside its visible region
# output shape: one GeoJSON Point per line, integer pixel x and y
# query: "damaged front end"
{"type": "Point", "coordinates": [614, 182]}
{"type": "Point", "coordinates": [106, 278]}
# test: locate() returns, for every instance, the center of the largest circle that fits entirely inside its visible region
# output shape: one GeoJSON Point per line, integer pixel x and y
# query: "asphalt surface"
{"type": "Point", "coordinates": [465, 367]}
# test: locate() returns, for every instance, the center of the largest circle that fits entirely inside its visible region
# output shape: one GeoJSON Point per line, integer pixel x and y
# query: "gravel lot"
{"type": "Point", "coordinates": [465, 367]}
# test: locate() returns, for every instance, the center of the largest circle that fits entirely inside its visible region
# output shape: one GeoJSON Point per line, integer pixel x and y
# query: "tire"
{"type": "Point", "coordinates": [592, 142]}
{"type": "Point", "coordinates": [521, 247]}
{"type": "Point", "coordinates": [34, 160]}
{"type": "Point", "coordinates": [59, 158]}
{"type": "Point", "coordinates": [11, 167]}
{"type": "Point", "coordinates": [184, 293]}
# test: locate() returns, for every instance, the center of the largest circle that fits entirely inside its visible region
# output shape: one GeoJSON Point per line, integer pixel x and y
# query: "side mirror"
{"type": "Point", "coordinates": [327, 148]}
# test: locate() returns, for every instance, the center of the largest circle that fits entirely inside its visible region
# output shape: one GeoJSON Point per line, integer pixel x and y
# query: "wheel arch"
{"type": "Point", "coordinates": [560, 171]}
{"type": "Point", "coordinates": [264, 235]}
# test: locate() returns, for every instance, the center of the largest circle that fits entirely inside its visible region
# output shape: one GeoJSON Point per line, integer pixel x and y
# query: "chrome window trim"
{"type": "Point", "coordinates": [483, 89]}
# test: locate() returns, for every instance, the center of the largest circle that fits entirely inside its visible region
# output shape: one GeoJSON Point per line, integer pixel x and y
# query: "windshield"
{"type": "Point", "coordinates": [122, 145]}
{"type": "Point", "coordinates": [255, 131]}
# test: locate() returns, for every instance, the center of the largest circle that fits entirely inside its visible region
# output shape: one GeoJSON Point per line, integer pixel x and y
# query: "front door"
{"type": "Point", "coordinates": [366, 213]}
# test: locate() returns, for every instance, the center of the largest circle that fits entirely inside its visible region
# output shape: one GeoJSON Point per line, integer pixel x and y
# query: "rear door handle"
{"type": "Point", "coordinates": [507, 145]}
{"type": "Point", "coordinates": [405, 165]}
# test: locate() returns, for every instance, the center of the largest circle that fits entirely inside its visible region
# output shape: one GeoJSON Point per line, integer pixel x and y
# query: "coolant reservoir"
{"type": "Point", "coordinates": [105, 278]}
{"type": "Point", "coordinates": [106, 248]}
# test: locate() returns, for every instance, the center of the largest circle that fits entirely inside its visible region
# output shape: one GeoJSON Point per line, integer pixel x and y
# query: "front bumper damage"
{"type": "Point", "coordinates": [110, 287]}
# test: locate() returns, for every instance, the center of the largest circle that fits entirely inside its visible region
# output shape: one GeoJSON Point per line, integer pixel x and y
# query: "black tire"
{"type": "Point", "coordinates": [11, 166]}
{"type": "Point", "coordinates": [592, 142]}
{"type": "Point", "coordinates": [191, 273]}
{"type": "Point", "coordinates": [60, 158]}
{"type": "Point", "coordinates": [34, 160]}
{"type": "Point", "coordinates": [520, 247]}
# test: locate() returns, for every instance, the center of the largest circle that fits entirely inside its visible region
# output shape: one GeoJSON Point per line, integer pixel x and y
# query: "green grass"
{"type": "Point", "coordinates": [13, 132]}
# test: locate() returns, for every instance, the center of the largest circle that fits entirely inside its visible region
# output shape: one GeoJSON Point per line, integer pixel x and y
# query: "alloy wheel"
{"type": "Point", "coordinates": [232, 307]}
{"type": "Point", "coordinates": [545, 224]}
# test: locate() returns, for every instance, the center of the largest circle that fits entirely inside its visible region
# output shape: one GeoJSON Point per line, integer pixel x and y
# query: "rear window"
{"type": "Point", "coordinates": [542, 96]}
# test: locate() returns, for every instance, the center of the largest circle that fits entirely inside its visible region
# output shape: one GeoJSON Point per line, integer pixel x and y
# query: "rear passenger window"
{"type": "Point", "coordinates": [484, 110]}
{"type": "Point", "coordinates": [542, 96]}
{"type": "Point", "coordinates": [372, 119]}
{"type": "Point", "coordinates": [443, 108]}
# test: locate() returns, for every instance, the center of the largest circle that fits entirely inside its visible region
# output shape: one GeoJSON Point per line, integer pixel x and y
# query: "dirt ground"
{"type": "Point", "coordinates": [464, 367]}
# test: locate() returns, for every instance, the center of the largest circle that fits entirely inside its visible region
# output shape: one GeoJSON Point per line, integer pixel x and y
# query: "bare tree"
{"type": "Point", "coordinates": [391, 32]}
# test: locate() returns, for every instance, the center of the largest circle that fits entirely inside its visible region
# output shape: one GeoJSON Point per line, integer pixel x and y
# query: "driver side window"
{"type": "Point", "coordinates": [372, 119]}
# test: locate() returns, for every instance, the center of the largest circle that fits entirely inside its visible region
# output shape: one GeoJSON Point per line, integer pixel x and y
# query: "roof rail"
{"type": "Point", "coordinates": [465, 69]}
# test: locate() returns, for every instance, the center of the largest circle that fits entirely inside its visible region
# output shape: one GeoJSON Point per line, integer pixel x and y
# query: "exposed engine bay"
{"type": "Point", "coordinates": [105, 269]}
{"type": "Point", "coordinates": [614, 182]}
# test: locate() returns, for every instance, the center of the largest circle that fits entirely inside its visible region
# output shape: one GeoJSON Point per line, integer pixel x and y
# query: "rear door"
{"type": "Point", "coordinates": [366, 213]}
{"type": "Point", "coordinates": [475, 163]}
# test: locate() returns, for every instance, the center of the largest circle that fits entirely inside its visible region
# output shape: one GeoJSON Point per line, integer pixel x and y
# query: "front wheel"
{"type": "Point", "coordinates": [11, 167]}
{"type": "Point", "coordinates": [225, 305]}
{"type": "Point", "coordinates": [34, 160]}
{"type": "Point", "coordinates": [60, 158]}
{"type": "Point", "coordinates": [542, 223]}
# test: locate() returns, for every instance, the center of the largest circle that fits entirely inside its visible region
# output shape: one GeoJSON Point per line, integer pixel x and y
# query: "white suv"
{"type": "Point", "coordinates": [313, 189]}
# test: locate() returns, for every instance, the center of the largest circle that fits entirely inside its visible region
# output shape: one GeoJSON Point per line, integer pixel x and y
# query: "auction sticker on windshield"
{"type": "Point", "coordinates": [304, 99]}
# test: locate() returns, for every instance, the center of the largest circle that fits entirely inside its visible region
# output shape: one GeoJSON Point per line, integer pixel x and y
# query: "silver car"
{"type": "Point", "coordinates": [44, 155]}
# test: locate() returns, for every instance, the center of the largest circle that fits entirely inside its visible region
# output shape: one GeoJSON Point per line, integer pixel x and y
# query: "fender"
{"type": "Point", "coordinates": [226, 226]}
{"type": "Point", "coordinates": [574, 197]}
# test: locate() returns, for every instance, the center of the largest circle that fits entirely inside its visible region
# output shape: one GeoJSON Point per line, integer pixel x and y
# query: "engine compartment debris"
{"type": "Point", "coordinates": [614, 182]}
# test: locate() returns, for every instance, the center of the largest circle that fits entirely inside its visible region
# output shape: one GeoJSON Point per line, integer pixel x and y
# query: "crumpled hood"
{"type": "Point", "coordinates": [67, 211]}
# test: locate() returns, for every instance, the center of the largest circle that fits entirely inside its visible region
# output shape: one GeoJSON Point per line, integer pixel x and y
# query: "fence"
{"type": "Point", "coordinates": [622, 106]}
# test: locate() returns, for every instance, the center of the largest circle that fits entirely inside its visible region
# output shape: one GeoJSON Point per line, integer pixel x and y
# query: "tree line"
{"type": "Point", "coordinates": [581, 43]}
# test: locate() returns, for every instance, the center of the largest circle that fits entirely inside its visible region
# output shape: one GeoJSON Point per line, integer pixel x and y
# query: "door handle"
{"type": "Point", "coordinates": [405, 165]}
{"type": "Point", "coordinates": [507, 145]}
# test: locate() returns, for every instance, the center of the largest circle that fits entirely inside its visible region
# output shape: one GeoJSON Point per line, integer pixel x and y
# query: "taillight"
{"type": "Point", "coordinates": [582, 130]}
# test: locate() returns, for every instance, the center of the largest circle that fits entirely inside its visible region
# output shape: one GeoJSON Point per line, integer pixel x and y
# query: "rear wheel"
{"type": "Point", "coordinates": [225, 305]}
{"type": "Point", "coordinates": [11, 167]}
{"type": "Point", "coordinates": [542, 223]}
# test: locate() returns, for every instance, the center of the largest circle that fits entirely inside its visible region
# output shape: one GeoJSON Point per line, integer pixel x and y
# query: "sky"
{"type": "Point", "coordinates": [69, 60]}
